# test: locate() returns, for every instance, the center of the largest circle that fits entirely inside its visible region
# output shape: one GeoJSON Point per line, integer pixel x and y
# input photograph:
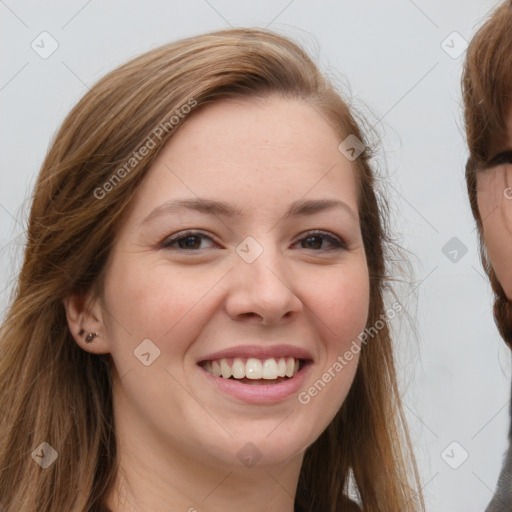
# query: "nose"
{"type": "Point", "coordinates": [263, 290]}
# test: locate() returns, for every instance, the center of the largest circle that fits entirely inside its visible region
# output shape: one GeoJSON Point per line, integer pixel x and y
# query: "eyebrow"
{"type": "Point", "coordinates": [505, 157]}
{"type": "Point", "coordinates": [212, 207]}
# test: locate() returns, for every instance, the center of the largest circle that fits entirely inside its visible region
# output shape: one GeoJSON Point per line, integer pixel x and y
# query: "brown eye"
{"type": "Point", "coordinates": [188, 240]}
{"type": "Point", "coordinates": [314, 240]}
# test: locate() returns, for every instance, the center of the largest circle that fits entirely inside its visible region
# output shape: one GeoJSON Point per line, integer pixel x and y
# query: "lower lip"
{"type": "Point", "coordinates": [260, 393]}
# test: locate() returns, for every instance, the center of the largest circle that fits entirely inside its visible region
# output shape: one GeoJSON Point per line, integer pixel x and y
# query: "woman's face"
{"type": "Point", "coordinates": [242, 249]}
{"type": "Point", "coordinates": [494, 199]}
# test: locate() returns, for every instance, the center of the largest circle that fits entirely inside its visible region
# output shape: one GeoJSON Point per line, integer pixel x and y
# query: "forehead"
{"type": "Point", "coordinates": [255, 143]}
{"type": "Point", "coordinates": [266, 127]}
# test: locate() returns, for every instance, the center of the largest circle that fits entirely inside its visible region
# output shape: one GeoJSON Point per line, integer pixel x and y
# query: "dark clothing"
{"type": "Point", "coordinates": [502, 500]}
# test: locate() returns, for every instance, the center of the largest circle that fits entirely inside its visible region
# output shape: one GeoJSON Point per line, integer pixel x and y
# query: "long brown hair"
{"type": "Point", "coordinates": [53, 391]}
{"type": "Point", "coordinates": [487, 94]}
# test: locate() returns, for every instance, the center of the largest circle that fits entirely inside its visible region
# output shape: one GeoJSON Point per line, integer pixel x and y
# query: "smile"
{"type": "Point", "coordinates": [257, 374]}
{"type": "Point", "coordinates": [252, 368]}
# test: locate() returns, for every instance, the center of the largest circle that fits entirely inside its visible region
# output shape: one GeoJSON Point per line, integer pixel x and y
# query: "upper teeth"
{"type": "Point", "coordinates": [253, 368]}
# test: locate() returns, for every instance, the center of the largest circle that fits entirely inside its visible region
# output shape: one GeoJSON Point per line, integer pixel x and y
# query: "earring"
{"type": "Point", "coordinates": [90, 336]}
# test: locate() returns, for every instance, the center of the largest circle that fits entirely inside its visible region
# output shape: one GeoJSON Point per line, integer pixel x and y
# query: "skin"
{"type": "Point", "coordinates": [178, 435]}
{"type": "Point", "coordinates": [494, 199]}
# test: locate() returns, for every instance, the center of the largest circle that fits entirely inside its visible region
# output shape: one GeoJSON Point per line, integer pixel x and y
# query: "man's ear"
{"type": "Point", "coordinates": [85, 316]}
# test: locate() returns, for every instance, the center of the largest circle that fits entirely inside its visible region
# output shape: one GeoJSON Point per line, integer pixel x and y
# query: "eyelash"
{"type": "Point", "coordinates": [333, 240]}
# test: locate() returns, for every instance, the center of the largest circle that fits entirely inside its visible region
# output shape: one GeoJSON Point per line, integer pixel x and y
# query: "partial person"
{"type": "Point", "coordinates": [487, 94]}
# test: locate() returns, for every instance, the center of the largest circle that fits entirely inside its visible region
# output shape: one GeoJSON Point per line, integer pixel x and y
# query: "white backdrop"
{"type": "Point", "coordinates": [403, 60]}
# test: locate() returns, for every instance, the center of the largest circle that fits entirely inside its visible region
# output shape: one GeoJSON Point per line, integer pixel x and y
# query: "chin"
{"type": "Point", "coordinates": [258, 450]}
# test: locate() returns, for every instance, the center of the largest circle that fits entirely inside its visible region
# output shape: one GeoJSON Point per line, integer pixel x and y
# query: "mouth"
{"type": "Point", "coordinates": [254, 371]}
{"type": "Point", "coordinates": [258, 374]}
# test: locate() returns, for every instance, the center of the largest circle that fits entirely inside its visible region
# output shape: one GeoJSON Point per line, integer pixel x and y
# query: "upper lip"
{"type": "Point", "coordinates": [259, 352]}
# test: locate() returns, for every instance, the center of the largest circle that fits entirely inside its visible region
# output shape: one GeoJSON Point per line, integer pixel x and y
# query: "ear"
{"type": "Point", "coordinates": [85, 314]}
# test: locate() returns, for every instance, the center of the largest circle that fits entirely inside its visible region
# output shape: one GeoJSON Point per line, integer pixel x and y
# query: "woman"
{"type": "Point", "coordinates": [199, 322]}
{"type": "Point", "coordinates": [486, 84]}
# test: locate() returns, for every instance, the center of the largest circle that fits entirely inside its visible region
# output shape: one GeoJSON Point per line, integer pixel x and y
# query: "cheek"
{"type": "Point", "coordinates": [151, 300]}
{"type": "Point", "coordinates": [494, 201]}
{"type": "Point", "coordinates": [343, 306]}
{"type": "Point", "coordinates": [341, 316]}
{"type": "Point", "coordinates": [498, 242]}
{"type": "Point", "coordinates": [496, 213]}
